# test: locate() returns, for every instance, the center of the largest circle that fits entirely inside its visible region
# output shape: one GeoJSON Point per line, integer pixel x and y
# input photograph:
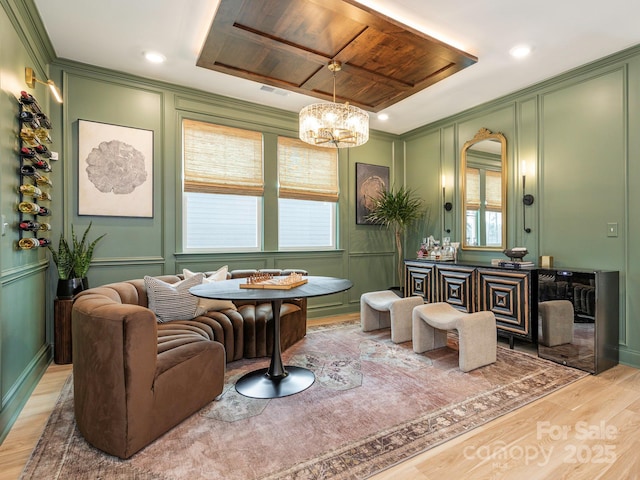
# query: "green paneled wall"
{"type": "Point", "coordinates": [128, 240]}
{"type": "Point", "coordinates": [25, 322]}
{"type": "Point", "coordinates": [591, 149]}
{"type": "Point", "coordinates": [136, 247]}
{"type": "Point", "coordinates": [574, 133]}
{"type": "Point", "coordinates": [423, 176]}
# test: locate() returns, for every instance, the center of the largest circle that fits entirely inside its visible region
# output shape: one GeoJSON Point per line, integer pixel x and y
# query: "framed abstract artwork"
{"type": "Point", "coordinates": [370, 181]}
{"type": "Point", "coordinates": [115, 170]}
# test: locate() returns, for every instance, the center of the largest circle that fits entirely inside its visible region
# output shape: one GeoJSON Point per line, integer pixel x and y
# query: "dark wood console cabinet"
{"type": "Point", "coordinates": [508, 294]}
{"type": "Point", "coordinates": [472, 288]}
{"type": "Point", "coordinates": [590, 331]}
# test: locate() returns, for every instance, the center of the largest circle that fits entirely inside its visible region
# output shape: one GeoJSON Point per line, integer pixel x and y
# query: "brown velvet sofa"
{"type": "Point", "coordinates": [135, 378]}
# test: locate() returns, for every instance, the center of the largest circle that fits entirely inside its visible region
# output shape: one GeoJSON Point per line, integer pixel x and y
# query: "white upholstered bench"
{"type": "Point", "coordinates": [476, 332]}
{"type": "Point", "coordinates": [385, 309]}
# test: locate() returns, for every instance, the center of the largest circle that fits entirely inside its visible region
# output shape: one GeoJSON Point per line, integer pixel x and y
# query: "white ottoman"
{"type": "Point", "coordinates": [476, 332]}
{"type": "Point", "coordinates": [385, 309]}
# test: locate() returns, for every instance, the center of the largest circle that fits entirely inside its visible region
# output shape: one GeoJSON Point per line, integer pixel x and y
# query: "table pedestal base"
{"type": "Point", "coordinates": [258, 384]}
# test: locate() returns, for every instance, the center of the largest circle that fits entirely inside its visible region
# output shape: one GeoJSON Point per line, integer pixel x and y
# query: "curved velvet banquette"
{"type": "Point", "coordinates": [135, 378]}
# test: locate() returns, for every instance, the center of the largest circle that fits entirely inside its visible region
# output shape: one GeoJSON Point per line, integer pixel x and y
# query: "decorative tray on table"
{"type": "Point", "coordinates": [268, 281]}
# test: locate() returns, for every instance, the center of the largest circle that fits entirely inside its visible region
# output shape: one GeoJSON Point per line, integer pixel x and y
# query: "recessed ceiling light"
{"type": "Point", "coordinates": [154, 57]}
{"type": "Point", "coordinates": [520, 51]}
{"type": "Point", "coordinates": [383, 116]}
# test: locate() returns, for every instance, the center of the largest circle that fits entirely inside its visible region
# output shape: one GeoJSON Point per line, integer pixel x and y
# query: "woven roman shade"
{"type": "Point", "coordinates": [306, 172]}
{"type": "Point", "coordinates": [492, 190]}
{"type": "Point", "coordinates": [219, 159]}
{"type": "Point", "coordinates": [493, 193]}
{"type": "Point", "coordinates": [472, 185]}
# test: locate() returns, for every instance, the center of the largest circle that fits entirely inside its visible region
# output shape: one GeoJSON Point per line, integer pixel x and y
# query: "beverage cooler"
{"type": "Point", "coordinates": [579, 317]}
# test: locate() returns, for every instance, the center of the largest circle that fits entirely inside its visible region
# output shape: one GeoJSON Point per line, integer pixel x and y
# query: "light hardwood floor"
{"type": "Point", "coordinates": [588, 430]}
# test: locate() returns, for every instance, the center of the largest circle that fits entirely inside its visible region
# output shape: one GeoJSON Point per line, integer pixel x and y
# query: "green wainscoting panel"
{"type": "Point", "coordinates": [630, 329]}
{"type": "Point", "coordinates": [24, 339]}
{"type": "Point", "coordinates": [125, 104]}
{"type": "Point", "coordinates": [112, 272]}
{"type": "Point", "coordinates": [583, 173]}
{"type": "Point", "coordinates": [367, 238]}
{"type": "Point", "coordinates": [422, 172]}
{"type": "Point", "coordinates": [232, 263]}
{"type": "Point", "coordinates": [525, 151]}
{"type": "Point", "coordinates": [370, 272]}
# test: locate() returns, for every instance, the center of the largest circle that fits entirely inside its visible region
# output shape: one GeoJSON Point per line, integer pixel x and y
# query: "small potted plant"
{"type": "Point", "coordinates": [82, 254]}
{"type": "Point", "coordinates": [63, 258]}
{"type": "Point", "coordinates": [73, 262]}
{"type": "Point", "coordinates": [397, 211]}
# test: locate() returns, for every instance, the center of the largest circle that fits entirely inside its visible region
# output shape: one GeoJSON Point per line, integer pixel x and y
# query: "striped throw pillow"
{"type": "Point", "coordinates": [172, 301]}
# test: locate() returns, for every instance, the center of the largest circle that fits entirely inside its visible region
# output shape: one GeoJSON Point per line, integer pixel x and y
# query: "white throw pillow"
{"type": "Point", "coordinates": [208, 304]}
{"type": "Point", "coordinates": [172, 301]}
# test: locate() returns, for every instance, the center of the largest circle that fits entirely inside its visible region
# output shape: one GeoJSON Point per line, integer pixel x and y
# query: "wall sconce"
{"type": "Point", "coordinates": [30, 79]}
{"type": "Point", "coordinates": [447, 205]}
{"type": "Point", "coordinates": [527, 199]}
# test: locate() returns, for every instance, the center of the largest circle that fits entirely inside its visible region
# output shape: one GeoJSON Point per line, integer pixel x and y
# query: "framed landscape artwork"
{"type": "Point", "coordinates": [370, 181]}
{"type": "Point", "coordinates": [115, 170]}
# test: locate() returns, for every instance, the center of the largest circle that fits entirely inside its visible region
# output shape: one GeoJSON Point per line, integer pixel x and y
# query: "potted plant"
{"type": "Point", "coordinates": [63, 258]}
{"type": "Point", "coordinates": [73, 262]}
{"type": "Point", "coordinates": [82, 254]}
{"type": "Point", "coordinates": [397, 211]}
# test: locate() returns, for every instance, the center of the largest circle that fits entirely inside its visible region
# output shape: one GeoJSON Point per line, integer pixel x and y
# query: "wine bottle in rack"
{"type": "Point", "coordinates": [30, 190]}
{"type": "Point", "coordinates": [28, 134]}
{"type": "Point", "coordinates": [30, 118]}
{"type": "Point", "coordinates": [26, 98]}
{"type": "Point", "coordinates": [43, 135]}
{"type": "Point", "coordinates": [27, 116]}
{"type": "Point", "coordinates": [30, 226]}
{"type": "Point", "coordinates": [43, 180]}
{"type": "Point", "coordinates": [26, 152]}
{"type": "Point", "coordinates": [28, 243]}
{"type": "Point", "coordinates": [43, 242]}
{"type": "Point", "coordinates": [44, 197]}
{"type": "Point", "coordinates": [30, 171]}
{"type": "Point", "coordinates": [44, 212]}
{"type": "Point", "coordinates": [41, 164]}
{"type": "Point", "coordinates": [45, 227]}
{"type": "Point", "coordinates": [44, 120]}
{"type": "Point", "coordinates": [42, 151]}
{"type": "Point", "coordinates": [30, 208]}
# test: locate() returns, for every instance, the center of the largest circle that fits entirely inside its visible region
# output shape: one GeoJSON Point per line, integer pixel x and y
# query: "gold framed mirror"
{"type": "Point", "coordinates": [483, 166]}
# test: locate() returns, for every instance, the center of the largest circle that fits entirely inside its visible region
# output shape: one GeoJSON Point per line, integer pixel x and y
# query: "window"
{"type": "Point", "coordinates": [307, 195]}
{"type": "Point", "coordinates": [223, 187]}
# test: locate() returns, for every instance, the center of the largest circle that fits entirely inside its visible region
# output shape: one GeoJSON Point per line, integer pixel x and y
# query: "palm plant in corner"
{"type": "Point", "coordinates": [397, 211]}
{"type": "Point", "coordinates": [73, 262]}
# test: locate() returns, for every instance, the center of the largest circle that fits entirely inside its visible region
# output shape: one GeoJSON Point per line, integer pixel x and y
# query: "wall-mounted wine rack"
{"type": "Point", "coordinates": [35, 164]}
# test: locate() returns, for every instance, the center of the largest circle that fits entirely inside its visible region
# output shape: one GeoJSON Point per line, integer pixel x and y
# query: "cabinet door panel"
{"type": "Point", "coordinates": [506, 294]}
{"type": "Point", "coordinates": [456, 286]}
{"type": "Point", "coordinates": [419, 281]}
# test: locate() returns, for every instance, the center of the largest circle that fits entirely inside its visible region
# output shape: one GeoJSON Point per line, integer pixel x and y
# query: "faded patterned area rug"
{"type": "Point", "coordinates": [374, 404]}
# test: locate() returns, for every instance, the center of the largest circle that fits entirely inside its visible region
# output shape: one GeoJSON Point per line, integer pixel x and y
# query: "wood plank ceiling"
{"type": "Point", "coordinates": [289, 43]}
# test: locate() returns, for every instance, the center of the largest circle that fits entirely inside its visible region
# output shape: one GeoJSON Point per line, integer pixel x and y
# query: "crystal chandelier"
{"type": "Point", "coordinates": [333, 124]}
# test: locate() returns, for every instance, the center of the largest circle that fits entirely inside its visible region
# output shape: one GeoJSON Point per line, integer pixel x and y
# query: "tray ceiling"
{"type": "Point", "coordinates": [289, 43]}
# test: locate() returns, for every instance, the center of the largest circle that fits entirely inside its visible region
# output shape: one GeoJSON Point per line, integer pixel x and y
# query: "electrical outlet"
{"type": "Point", "coordinates": [612, 229]}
